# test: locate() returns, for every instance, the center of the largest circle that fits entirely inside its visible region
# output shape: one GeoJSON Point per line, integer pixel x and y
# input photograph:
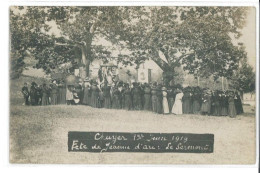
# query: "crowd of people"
{"type": "Point", "coordinates": [136, 96]}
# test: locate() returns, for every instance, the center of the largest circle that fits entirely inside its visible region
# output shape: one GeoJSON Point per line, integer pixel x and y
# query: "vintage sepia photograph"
{"type": "Point", "coordinates": [132, 85]}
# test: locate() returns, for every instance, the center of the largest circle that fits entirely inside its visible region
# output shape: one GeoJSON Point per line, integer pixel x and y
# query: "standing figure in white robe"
{"type": "Point", "coordinates": [177, 107]}
{"type": "Point", "coordinates": [165, 101]}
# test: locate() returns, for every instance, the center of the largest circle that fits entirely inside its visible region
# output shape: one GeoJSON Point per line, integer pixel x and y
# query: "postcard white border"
{"type": "Point", "coordinates": [4, 72]}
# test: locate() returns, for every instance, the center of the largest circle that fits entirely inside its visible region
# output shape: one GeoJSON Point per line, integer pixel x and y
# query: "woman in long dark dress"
{"type": "Point", "coordinates": [94, 95]}
{"type": "Point", "coordinates": [121, 94]}
{"type": "Point", "coordinates": [196, 101]}
{"type": "Point", "coordinates": [147, 98]}
{"type": "Point", "coordinates": [159, 99]}
{"type": "Point", "coordinates": [86, 91]}
{"type": "Point", "coordinates": [231, 105]}
{"type": "Point", "coordinates": [33, 93]}
{"type": "Point", "coordinates": [224, 104]}
{"type": "Point", "coordinates": [206, 103]}
{"type": "Point", "coordinates": [62, 93]}
{"type": "Point", "coordinates": [142, 86]}
{"type": "Point", "coordinates": [116, 104]}
{"type": "Point", "coordinates": [54, 93]}
{"type": "Point", "coordinates": [171, 97]}
{"type": "Point", "coordinates": [186, 101]}
{"type": "Point", "coordinates": [238, 104]}
{"type": "Point", "coordinates": [154, 97]}
{"type": "Point", "coordinates": [107, 96]}
{"type": "Point", "coordinates": [128, 103]}
{"type": "Point", "coordinates": [216, 104]}
{"type": "Point", "coordinates": [136, 92]}
{"type": "Point", "coordinates": [45, 95]}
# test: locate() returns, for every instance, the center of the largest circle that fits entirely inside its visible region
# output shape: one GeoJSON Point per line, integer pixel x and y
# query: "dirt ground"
{"type": "Point", "coordinates": [39, 135]}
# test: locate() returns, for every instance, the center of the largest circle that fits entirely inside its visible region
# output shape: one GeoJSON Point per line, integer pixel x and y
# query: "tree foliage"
{"type": "Point", "coordinates": [197, 38]}
{"type": "Point", "coordinates": [243, 79]}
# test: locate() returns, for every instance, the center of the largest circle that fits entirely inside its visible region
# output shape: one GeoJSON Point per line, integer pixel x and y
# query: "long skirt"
{"type": "Point", "coordinates": [45, 99]}
{"type": "Point", "coordinates": [171, 102]}
{"type": "Point", "coordinates": [165, 105]}
{"type": "Point", "coordinates": [94, 102]}
{"type": "Point", "coordinates": [62, 96]}
{"type": "Point", "coordinates": [232, 110]}
{"type": "Point", "coordinates": [224, 110]}
{"type": "Point", "coordinates": [137, 102]}
{"type": "Point", "coordinates": [128, 104]}
{"type": "Point", "coordinates": [239, 107]}
{"type": "Point", "coordinates": [86, 98]}
{"type": "Point", "coordinates": [205, 107]}
{"type": "Point", "coordinates": [186, 105]}
{"type": "Point", "coordinates": [196, 106]}
{"type": "Point", "coordinates": [177, 107]}
{"type": "Point", "coordinates": [159, 106]}
{"type": "Point", "coordinates": [54, 99]}
{"type": "Point", "coordinates": [116, 103]}
{"type": "Point", "coordinates": [107, 102]}
{"type": "Point", "coordinates": [217, 109]}
{"type": "Point", "coordinates": [154, 103]}
{"type": "Point", "coordinates": [147, 102]}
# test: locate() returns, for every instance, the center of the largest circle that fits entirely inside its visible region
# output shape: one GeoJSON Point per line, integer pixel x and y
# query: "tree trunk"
{"type": "Point", "coordinates": [86, 59]}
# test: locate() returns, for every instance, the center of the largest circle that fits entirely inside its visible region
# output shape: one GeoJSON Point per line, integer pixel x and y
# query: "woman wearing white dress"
{"type": "Point", "coordinates": [177, 107]}
{"type": "Point", "coordinates": [165, 101]}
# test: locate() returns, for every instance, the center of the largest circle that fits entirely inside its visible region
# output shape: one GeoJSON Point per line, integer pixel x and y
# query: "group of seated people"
{"type": "Point", "coordinates": [136, 96]}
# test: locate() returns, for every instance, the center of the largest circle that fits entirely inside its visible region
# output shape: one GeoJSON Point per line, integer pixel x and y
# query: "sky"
{"type": "Point", "coordinates": [249, 36]}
